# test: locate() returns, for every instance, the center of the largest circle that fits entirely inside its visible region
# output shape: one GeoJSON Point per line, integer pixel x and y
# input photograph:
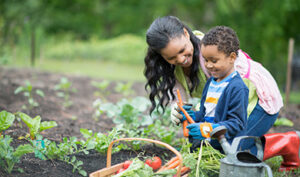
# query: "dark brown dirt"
{"type": "Point", "coordinates": [51, 109]}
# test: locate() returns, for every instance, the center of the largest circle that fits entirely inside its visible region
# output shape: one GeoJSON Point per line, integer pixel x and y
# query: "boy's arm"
{"type": "Point", "coordinates": [236, 119]}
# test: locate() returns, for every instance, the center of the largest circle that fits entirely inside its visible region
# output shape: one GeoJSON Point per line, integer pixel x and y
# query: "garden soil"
{"type": "Point", "coordinates": [71, 119]}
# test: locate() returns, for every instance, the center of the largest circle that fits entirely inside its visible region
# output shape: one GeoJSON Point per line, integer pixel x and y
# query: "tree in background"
{"type": "Point", "coordinates": [263, 27]}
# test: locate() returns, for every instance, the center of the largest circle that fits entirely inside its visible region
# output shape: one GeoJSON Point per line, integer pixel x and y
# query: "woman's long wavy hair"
{"type": "Point", "coordinates": [159, 73]}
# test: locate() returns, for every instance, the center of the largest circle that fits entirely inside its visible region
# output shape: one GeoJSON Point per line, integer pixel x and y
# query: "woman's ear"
{"type": "Point", "coordinates": [186, 33]}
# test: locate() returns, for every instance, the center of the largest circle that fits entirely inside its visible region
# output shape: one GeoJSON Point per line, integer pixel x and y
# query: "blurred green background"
{"type": "Point", "coordinates": [106, 38]}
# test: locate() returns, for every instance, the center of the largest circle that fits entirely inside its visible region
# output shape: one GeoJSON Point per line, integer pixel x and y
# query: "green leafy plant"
{"type": "Point", "coordinates": [64, 89]}
{"type": "Point", "coordinates": [124, 88]}
{"type": "Point", "coordinates": [203, 162]}
{"type": "Point", "coordinates": [129, 112]}
{"type": "Point", "coordinates": [28, 92]}
{"type": "Point", "coordinates": [101, 141]}
{"type": "Point", "coordinates": [35, 125]}
{"type": "Point", "coordinates": [101, 87]}
{"type": "Point", "coordinates": [76, 165]}
{"type": "Point", "coordinates": [283, 122]}
{"type": "Point", "coordinates": [132, 120]}
{"type": "Point", "coordinates": [6, 120]}
{"type": "Point", "coordinates": [10, 156]}
{"type": "Point", "coordinates": [63, 152]}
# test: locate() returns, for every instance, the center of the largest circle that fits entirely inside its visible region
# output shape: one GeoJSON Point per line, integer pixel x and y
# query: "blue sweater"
{"type": "Point", "coordinates": [231, 110]}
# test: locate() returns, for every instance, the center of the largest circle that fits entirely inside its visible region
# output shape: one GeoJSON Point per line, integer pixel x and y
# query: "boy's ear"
{"type": "Point", "coordinates": [186, 33]}
{"type": "Point", "coordinates": [232, 57]}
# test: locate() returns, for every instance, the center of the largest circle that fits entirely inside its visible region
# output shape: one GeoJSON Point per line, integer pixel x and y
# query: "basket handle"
{"type": "Point", "coordinates": [109, 150]}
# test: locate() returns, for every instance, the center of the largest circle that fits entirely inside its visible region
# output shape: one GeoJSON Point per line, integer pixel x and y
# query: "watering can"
{"type": "Point", "coordinates": [240, 163]}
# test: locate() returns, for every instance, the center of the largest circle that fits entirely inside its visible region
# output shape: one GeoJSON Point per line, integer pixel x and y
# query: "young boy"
{"type": "Point", "coordinates": [225, 96]}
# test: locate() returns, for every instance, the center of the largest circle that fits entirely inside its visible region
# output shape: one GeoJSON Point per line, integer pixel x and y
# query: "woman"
{"type": "Point", "coordinates": [169, 66]}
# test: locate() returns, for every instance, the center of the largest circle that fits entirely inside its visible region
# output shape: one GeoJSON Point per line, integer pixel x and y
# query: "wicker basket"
{"type": "Point", "coordinates": [111, 170]}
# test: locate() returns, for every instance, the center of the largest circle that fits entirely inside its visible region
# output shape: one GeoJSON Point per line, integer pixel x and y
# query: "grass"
{"type": "Point", "coordinates": [274, 164]}
{"type": "Point", "coordinates": [91, 68]}
{"type": "Point", "coordinates": [294, 97]}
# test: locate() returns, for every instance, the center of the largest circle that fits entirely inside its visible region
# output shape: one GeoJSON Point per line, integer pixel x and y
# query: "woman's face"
{"type": "Point", "coordinates": [179, 51]}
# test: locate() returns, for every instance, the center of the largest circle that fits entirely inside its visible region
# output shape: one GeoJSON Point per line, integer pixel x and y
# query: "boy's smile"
{"type": "Point", "coordinates": [218, 63]}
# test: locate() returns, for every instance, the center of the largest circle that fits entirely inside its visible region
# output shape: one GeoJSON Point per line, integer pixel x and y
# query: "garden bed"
{"type": "Point", "coordinates": [71, 119]}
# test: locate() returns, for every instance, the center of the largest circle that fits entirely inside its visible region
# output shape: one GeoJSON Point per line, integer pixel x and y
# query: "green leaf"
{"type": "Point", "coordinates": [60, 94]}
{"type": "Point", "coordinates": [23, 149]}
{"type": "Point", "coordinates": [47, 125]}
{"type": "Point", "coordinates": [283, 122]}
{"type": "Point", "coordinates": [36, 123]}
{"type": "Point", "coordinates": [79, 163]}
{"type": "Point", "coordinates": [40, 93]}
{"type": "Point", "coordinates": [82, 172]}
{"type": "Point", "coordinates": [19, 89]}
{"type": "Point", "coordinates": [26, 119]}
{"type": "Point", "coordinates": [6, 120]}
{"type": "Point", "coordinates": [73, 159]}
{"type": "Point", "coordinates": [86, 133]}
{"type": "Point", "coordinates": [28, 86]}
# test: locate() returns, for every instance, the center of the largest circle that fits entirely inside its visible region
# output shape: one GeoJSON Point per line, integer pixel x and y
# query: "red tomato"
{"type": "Point", "coordinates": [127, 164]}
{"type": "Point", "coordinates": [154, 162]}
{"type": "Point", "coordinates": [120, 170]}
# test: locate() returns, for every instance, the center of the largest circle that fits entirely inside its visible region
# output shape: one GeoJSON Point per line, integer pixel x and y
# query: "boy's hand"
{"type": "Point", "coordinates": [177, 115]}
{"type": "Point", "coordinates": [201, 130]}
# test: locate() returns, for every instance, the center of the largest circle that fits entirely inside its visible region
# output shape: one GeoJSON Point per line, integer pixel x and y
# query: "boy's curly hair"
{"type": "Point", "coordinates": [224, 37]}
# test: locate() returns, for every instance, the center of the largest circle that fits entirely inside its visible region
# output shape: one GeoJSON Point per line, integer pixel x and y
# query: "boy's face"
{"type": "Point", "coordinates": [218, 63]}
{"type": "Point", "coordinates": [179, 51]}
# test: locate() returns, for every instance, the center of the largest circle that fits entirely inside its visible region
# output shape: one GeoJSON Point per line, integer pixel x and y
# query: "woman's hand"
{"type": "Point", "coordinates": [177, 115]}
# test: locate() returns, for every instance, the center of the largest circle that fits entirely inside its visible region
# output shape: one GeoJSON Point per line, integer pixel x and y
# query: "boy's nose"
{"type": "Point", "coordinates": [208, 65]}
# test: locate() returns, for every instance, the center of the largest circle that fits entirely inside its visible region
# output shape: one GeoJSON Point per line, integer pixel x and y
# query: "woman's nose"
{"type": "Point", "coordinates": [181, 59]}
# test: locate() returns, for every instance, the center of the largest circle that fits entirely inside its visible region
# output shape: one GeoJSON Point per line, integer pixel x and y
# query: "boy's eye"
{"type": "Point", "coordinates": [214, 61]}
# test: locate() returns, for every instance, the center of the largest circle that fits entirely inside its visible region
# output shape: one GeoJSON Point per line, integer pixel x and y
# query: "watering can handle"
{"type": "Point", "coordinates": [269, 171]}
{"type": "Point", "coordinates": [236, 142]}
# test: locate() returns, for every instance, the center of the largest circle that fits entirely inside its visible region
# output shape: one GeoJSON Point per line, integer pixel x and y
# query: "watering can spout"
{"type": "Point", "coordinates": [219, 133]}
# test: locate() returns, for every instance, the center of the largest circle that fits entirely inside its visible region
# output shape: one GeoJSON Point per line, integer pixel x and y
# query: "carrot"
{"type": "Point", "coordinates": [171, 161]}
{"type": "Point", "coordinates": [168, 163]}
{"type": "Point", "coordinates": [185, 130]}
{"type": "Point", "coordinates": [188, 117]}
{"type": "Point", "coordinates": [179, 98]}
{"type": "Point", "coordinates": [184, 169]}
{"type": "Point", "coordinates": [173, 165]}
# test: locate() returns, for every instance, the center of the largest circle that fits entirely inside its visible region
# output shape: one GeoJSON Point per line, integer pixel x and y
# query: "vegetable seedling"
{"type": "Point", "coordinates": [124, 88]}
{"type": "Point", "coordinates": [64, 88]}
{"type": "Point", "coordinates": [6, 120]}
{"type": "Point", "coordinates": [10, 156]}
{"type": "Point", "coordinates": [102, 87]}
{"type": "Point", "coordinates": [35, 125]}
{"type": "Point", "coordinates": [27, 92]}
